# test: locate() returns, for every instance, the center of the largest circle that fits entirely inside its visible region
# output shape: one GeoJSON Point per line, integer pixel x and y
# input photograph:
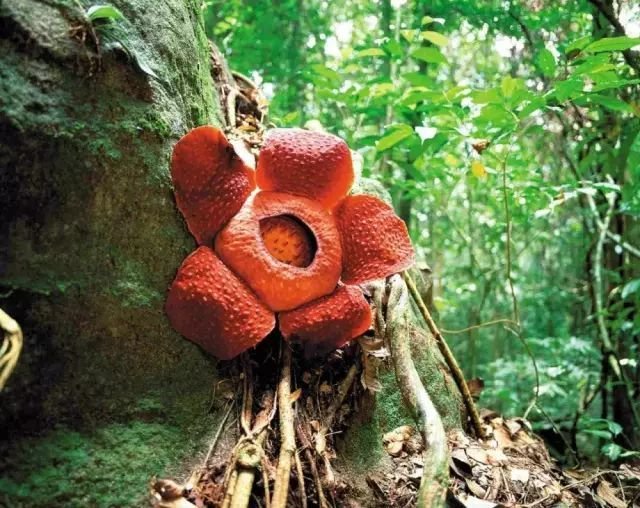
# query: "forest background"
{"type": "Point", "coordinates": [508, 135]}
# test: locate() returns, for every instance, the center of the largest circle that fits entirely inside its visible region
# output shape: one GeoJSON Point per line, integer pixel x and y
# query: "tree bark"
{"type": "Point", "coordinates": [89, 240]}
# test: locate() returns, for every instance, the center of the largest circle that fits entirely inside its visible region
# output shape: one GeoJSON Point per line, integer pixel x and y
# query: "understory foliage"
{"type": "Point", "coordinates": [508, 135]}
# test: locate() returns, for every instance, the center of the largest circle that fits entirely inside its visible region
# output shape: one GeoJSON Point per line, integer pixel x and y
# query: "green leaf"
{"type": "Point", "coordinates": [604, 434]}
{"type": "Point", "coordinates": [495, 114]}
{"type": "Point", "coordinates": [614, 427]}
{"type": "Point", "coordinates": [578, 44]}
{"type": "Point", "coordinates": [611, 103]}
{"type": "Point", "coordinates": [509, 85]}
{"type": "Point", "coordinates": [381, 89]}
{"type": "Point", "coordinates": [616, 83]}
{"type": "Point", "coordinates": [568, 89]}
{"type": "Point", "coordinates": [428, 19]}
{"type": "Point", "coordinates": [416, 96]}
{"type": "Point", "coordinates": [393, 47]}
{"type": "Point", "coordinates": [613, 44]}
{"type": "Point", "coordinates": [434, 37]}
{"type": "Point", "coordinates": [325, 72]}
{"type": "Point", "coordinates": [532, 105]}
{"type": "Point", "coordinates": [289, 118]}
{"type": "Point", "coordinates": [370, 52]}
{"type": "Point", "coordinates": [417, 79]}
{"type": "Point", "coordinates": [547, 62]}
{"type": "Point", "coordinates": [399, 133]}
{"type": "Point", "coordinates": [409, 35]}
{"type": "Point", "coordinates": [430, 55]}
{"type": "Point", "coordinates": [106, 11]}
{"type": "Point", "coordinates": [630, 288]}
{"type": "Point", "coordinates": [144, 66]}
{"type": "Point", "coordinates": [490, 96]}
{"type": "Point", "coordinates": [593, 63]}
{"type": "Point", "coordinates": [612, 451]}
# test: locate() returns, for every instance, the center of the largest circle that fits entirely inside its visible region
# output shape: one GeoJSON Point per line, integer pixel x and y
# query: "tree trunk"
{"type": "Point", "coordinates": [106, 395]}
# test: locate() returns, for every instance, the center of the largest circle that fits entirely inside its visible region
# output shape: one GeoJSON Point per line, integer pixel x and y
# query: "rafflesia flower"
{"type": "Point", "coordinates": [296, 246]}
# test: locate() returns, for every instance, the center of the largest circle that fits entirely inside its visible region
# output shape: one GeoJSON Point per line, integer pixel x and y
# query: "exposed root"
{"type": "Point", "coordinates": [11, 347]}
{"type": "Point", "coordinates": [433, 487]}
{"type": "Point", "coordinates": [287, 433]}
{"type": "Point", "coordinates": [302, 436]}
{"type": "Point", "coordinates": [455, 369]}
{"type": "Point", "coordinates": [327, 423]}
{"type": "Point", "coordinates": [249, 459]}
{"type": "Point", "coordinates": [241, 474]}
{"type": "Point", "coordinates": [300, 473]}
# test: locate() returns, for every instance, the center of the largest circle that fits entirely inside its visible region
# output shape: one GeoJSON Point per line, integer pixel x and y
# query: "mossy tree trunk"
{"type": "Point", "coordinates": [106, 395]}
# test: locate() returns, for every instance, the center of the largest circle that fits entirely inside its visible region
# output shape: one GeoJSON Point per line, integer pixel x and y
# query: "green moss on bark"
{"type": "Point", "coordinates": [91, 241]}
{"type": "Point", "coordinates": [79, 469]}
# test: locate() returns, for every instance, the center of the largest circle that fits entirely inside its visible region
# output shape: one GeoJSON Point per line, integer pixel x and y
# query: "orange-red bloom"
{"type": "Point", "coordinates": [280, 249]}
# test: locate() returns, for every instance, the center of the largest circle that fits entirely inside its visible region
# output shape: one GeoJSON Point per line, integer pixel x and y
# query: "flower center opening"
{"type": "Point", "coordinates": [288, 240]}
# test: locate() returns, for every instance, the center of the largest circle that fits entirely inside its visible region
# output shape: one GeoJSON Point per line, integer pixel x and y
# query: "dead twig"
{"type": "Point", "coordinates": [216, 437]}
{"type": "Point", "coordinates": [456, 372]}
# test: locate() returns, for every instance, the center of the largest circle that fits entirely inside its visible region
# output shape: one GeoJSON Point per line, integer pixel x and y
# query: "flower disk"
{"type": "Point", "coordinates": [210, 306]}
{"type": "Point", "coordinates": [311, 164]}
{"type": "Point", "coordinates": [328, 322]}
{"type": "Point", "coordinates": [375, 241]}
{"type": "Point", "coordinates": [210, 180]}
{"type": "Point", "coordinates": [288, 240]}
{"type": "Point", "coordinates": [280, 285]}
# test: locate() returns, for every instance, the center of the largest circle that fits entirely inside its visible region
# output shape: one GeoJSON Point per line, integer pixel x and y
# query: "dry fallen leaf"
{"type": "Point", "coordinates": [513, 426]}
{"type": "Point", "coordinates": [608, 494]}
{"type": "Point", "coordinates": [476, 385]}
{"type": "Point", "coordinates": [326, 388]}
{"type": "Point", "coordinates": [476, 489]}
{"type": "Point", "coordinates": [295, 395]}
{"type": "Point", "coordinates": [502, 436]}
{"type": "Point", "coordinates": [520, 475]}
{"type": "Point", "coordinates": [478, 454]}
{"type": "Point", "coordinates": [474, 502]}
{"type": "Point", "coordinates": [480, 145]}
{"type": "Point", "coordinates": [394, 448]}
{"type": "Point", "coordinates": [242, 151]}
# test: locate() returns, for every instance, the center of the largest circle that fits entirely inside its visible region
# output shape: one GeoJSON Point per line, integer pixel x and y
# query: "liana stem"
{"type": "Point", "coordinates": [433, 487]}
{"type": "Point", "coordinates": [452, 363]}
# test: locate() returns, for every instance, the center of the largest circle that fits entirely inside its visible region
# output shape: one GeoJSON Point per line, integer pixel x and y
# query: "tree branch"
{"type": "Point", "coordinates": [631, 57]}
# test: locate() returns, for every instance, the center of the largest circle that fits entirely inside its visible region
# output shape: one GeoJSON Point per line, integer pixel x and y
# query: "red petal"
{"type": "Point", "coordinates": [210, 181]}
{"type": "Point", "coordinates": [375, 241]}
{"type": "Point", "coordinates": [280, 285]}
{"type": "Point", "coordinates": [210, 306]}
{"type": "Point", "coordinates": [312, 164]}
{"type": "Point", "coordinates": [328, 322]}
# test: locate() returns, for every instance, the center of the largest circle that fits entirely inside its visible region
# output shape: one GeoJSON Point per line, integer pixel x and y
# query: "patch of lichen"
{"type": "Point", "coordinates": [108, 466]}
